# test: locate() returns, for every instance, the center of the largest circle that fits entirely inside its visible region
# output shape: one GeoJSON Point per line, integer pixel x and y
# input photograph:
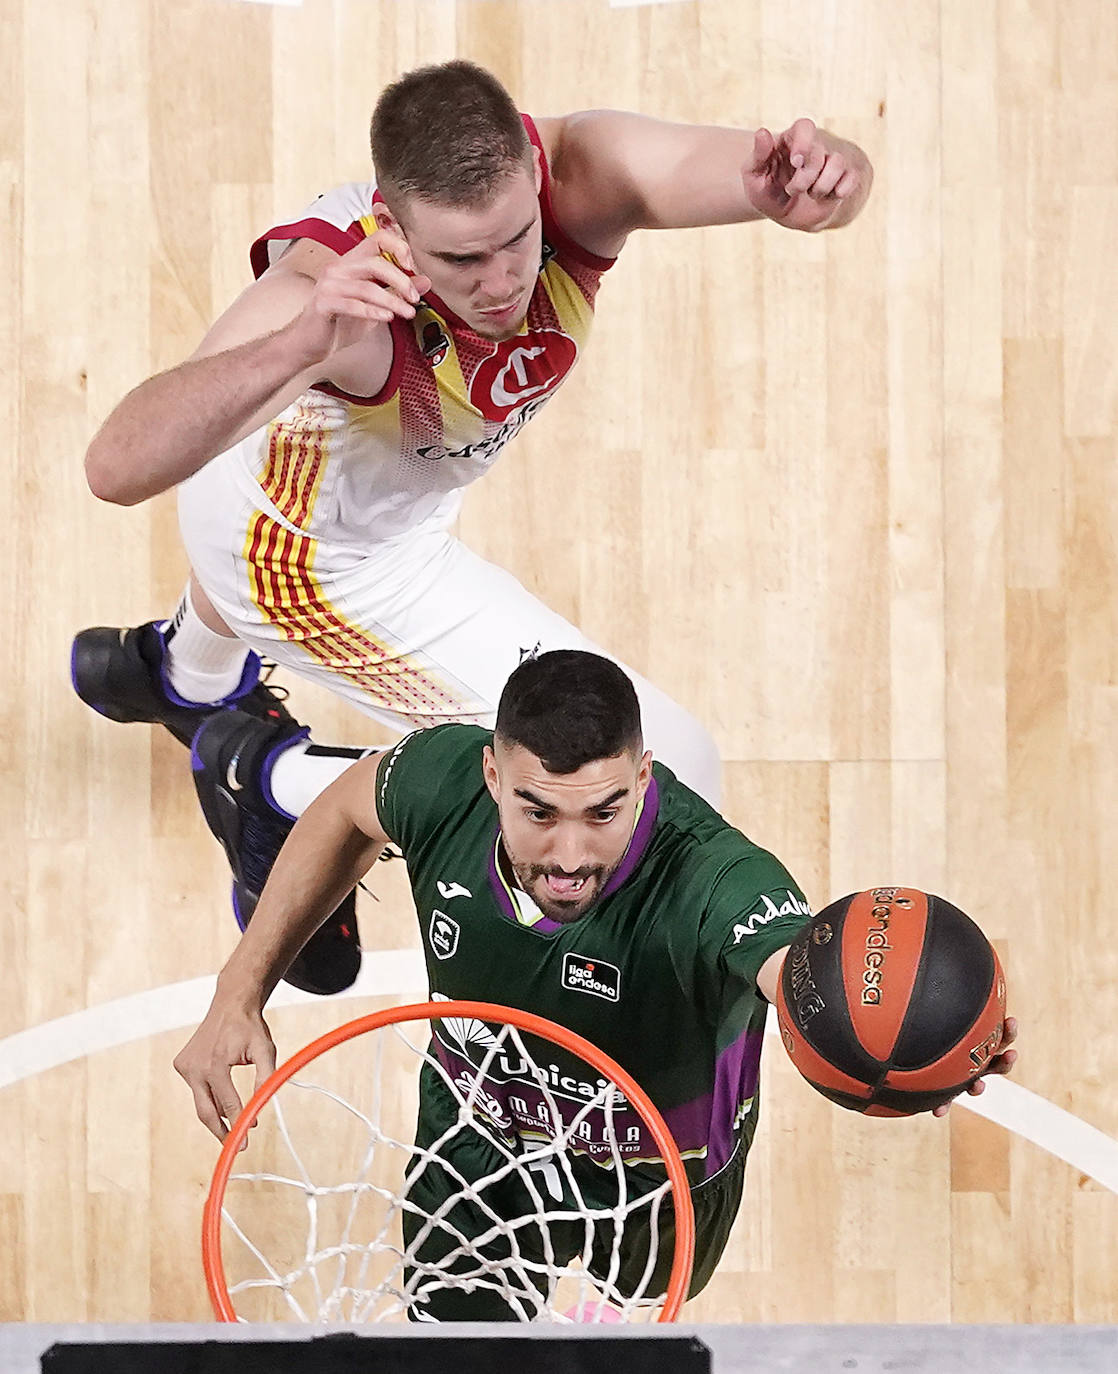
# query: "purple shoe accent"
{"type": "Point", "coordinates": [250, 676]}
{"type": "Point", "coordinates": [242, 924]}
{"type": "Point", "coordinates": [267, 766]}
{"type": "Point", "coordinates": [73, 669]}
{"type": "Point", "coordinates": [196, 764]}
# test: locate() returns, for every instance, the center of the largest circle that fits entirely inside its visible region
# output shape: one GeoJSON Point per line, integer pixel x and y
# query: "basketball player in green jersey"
{"type": "Point", "coordinates": [555, 868]}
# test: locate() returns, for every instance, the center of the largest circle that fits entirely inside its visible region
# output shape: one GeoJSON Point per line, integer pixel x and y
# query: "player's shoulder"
{"type": "Point", "coordinates": [344, 206]}
{"type": "Point", "coordinates": [429, 781]}
{"type": "Point", "coordinates": [592, 155]}
{"type": "Point", "coordinates": [583, 138]}
{"type": "Point", "coordinates": [440, 754]}
{"type": "Point", "coordinates": [309, 239]}
{"type": "Point", "coordinates": [697, 834]}
{"type": "Point", "coordinates": [730, 880]}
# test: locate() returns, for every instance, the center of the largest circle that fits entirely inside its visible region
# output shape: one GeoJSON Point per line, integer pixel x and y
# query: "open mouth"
{"type": "Point", "coordinates": [561, 886]}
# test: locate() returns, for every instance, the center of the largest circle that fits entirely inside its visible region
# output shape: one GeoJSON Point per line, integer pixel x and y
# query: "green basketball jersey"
{"type": "Point", "coordinates": [660, 973]}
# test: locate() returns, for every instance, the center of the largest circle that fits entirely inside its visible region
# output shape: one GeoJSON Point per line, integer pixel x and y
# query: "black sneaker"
{"type": "Point", "coordinates": [120, 673]}
{"type": "Point", "coordinates": [231, 755]}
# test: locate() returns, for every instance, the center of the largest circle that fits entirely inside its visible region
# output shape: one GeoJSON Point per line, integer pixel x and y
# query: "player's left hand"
{"type": "Point", "coordinates": [800, 178]}
{"type": "Point", "coordinates": [1002, 1062]}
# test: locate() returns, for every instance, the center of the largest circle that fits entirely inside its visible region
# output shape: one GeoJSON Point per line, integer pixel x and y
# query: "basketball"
{"type": "Point", "coordinates": [891, 1001]}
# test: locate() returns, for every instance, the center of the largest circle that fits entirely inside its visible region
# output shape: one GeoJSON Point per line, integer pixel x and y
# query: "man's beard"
{"type": "Point", "coordinates": [556, 909]}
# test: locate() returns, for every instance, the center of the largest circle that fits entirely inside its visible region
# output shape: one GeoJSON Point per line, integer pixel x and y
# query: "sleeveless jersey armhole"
{"type": "Point", "coordinates": [341, 241]}
{"type": "Point", "coordinates": [320, 230]}
{"type": "Point", "coordinates": [553, 231]}
{"type": "Point", "coordinates": [392, 382]}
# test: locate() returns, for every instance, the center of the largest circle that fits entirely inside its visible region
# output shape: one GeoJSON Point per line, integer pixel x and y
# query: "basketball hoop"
{"type": "Point", "coordinates": [344, 1218]}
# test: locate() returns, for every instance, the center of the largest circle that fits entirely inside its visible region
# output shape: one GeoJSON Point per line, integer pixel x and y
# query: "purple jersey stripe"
{"type": "Point", "coordinates": [709, 1120]}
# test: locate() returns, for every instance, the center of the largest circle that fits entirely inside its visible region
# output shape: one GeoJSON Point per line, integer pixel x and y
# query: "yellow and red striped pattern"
{"type": "Point", "coordinates": [283, 586]}
{"type": "Point", "coordinates": [295, 458]}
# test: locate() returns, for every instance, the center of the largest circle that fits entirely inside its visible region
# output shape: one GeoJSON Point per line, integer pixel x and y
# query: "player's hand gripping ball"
{"type": "Point", "coordinates": [891, 1002]}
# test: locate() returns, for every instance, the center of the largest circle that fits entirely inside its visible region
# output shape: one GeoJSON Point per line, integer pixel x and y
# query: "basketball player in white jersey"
{"type": "Point", "coordinates": [397, 336]}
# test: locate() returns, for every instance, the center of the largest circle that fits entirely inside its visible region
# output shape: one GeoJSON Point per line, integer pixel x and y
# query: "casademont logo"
{"type": "Point", "coordinates": [592, 975]}
{"type": "Point", "coordinates": [524, 368]}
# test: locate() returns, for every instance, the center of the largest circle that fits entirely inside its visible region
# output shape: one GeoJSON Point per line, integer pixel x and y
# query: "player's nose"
{"type": "Point", "coordinates": [567, 851]}
{"type": "Point", "coordinates": [498, 283]}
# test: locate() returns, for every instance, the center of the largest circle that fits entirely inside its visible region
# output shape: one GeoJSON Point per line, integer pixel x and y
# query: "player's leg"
{"type": "Point", "coordinates": [422, 631]}
{"type": "Point", "coordinates": [182, 673]}
{"type": "Point", "coordinates": [196, 668]}
{"type": "Point", "coordinates": [478, 623]}
{"type": "Point", "coordinates": [715, 1203]}
{"type": "Point", "coordinates": [172, 672]}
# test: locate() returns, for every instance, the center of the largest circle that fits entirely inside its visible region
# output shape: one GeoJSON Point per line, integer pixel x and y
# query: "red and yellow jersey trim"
{"type": "Point", "coordinates": [283, 585]}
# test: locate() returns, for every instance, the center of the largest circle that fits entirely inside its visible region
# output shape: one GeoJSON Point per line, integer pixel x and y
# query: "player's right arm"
{"type": "Point", "coordinates": [312, 316]}
{"type": "Point", "coordinates": [330, 848]}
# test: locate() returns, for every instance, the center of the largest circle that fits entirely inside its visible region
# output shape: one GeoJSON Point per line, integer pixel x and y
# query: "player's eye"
{"type": "Point", "coordinates": [535, 814]}
{"type": "Point", "coordinates": [607, 815]}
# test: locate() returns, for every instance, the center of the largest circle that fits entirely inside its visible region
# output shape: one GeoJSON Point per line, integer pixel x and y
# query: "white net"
{"type": "Point", "coordinates": [528, 1192]}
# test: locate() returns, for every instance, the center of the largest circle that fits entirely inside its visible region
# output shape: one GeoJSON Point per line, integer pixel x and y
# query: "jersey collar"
{"type": "Point", "coordinates": [518, 907]}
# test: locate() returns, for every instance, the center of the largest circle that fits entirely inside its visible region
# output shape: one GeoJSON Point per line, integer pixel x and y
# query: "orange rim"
{"type": "Point", "coordinates": [684, 1257]}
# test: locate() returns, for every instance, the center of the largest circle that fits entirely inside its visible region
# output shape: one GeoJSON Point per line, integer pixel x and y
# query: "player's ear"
{"type": "Point", "coordinates": [537, 168]}
{"type": "Point", "coordinates": [644, 774]}
{"type": "Point", "coordinates": [489, 772]}
{"type": "Point", "coordinates": [386, 219]}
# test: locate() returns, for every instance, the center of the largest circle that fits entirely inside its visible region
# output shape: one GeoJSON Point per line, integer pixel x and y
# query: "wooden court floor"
{"type": "Point", "coordinates": [851, 498]}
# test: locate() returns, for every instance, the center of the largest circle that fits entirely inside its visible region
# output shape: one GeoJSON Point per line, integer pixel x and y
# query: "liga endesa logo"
{"type": "Point", "coordinates": [521, 369]}
{"type": "Point", "coordinates": [592, 975]}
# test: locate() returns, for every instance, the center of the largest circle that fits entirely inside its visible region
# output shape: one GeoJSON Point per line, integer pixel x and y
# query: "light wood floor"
{"type": "Point", "coordinates": [851, 498]}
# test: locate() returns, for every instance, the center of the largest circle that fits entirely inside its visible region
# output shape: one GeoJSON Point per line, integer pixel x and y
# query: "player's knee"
{"type": "Point", "coordinates": [705, 764]}
{"type": "Point", "coordinates": [688, 748]}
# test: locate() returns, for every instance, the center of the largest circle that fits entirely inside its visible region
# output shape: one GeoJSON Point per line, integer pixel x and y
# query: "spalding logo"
{"type": "Point", "coordinates": [806, 1001]}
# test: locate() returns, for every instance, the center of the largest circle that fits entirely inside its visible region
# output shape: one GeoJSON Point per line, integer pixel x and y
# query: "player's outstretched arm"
{"type": "Point", "coordinates": [330, 848]}
{"type": "Point", "coordinates": [312, 316]}
{"type": "Point", "coordinates": [616, 172]}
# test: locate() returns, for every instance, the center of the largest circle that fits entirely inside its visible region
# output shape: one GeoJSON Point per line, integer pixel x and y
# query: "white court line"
{"type": "Point", "coordinates": [393, 973]}
{"type": "Point", "coordinates": [401, 974]}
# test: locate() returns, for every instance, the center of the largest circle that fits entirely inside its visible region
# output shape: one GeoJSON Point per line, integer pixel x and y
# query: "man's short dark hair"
{"type": "Point", "coordinates": [569, 708]}
{"type": "Point", "coordinates": [449, 133]}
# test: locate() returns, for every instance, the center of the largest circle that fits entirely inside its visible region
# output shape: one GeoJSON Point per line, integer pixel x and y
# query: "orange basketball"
{"type": "Point", "coordinates": [891, 1001]}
